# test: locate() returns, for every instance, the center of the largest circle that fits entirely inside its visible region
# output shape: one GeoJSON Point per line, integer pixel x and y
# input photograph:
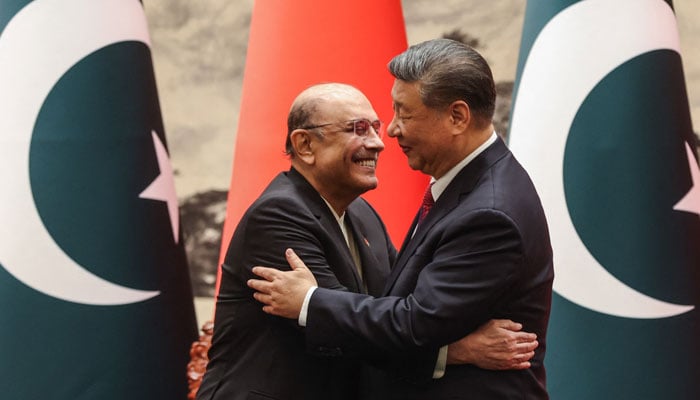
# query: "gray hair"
{"type": "Point", "coordinates": [299, 116]}
{"type": "Point", "coordinates": [447, 71]}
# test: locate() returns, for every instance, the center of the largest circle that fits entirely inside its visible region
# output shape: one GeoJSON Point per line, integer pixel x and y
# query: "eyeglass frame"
{"type": "Point", "coordinates": [379, 132]}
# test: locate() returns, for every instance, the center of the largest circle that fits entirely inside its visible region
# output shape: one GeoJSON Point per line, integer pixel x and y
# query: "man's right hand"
{"type": "Point", "coordinates": [283, 292]}
{"type": "Point", "coordinates": [497, 345]}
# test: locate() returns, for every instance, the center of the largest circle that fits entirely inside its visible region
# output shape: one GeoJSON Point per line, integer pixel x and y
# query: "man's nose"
{"type": "Point", "coordinates": [374, 140]}
{"type": "Point", "coordinates": [393, 128]}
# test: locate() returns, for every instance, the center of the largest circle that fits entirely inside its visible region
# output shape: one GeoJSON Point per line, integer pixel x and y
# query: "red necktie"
{"type": "Point", "coordinates": [427, 203]}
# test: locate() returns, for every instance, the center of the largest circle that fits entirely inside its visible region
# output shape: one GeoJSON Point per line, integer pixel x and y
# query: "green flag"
{"type": "Point", "coordinates": [95, 298]}
{"type": "Point", "coordinates": [601, 122]}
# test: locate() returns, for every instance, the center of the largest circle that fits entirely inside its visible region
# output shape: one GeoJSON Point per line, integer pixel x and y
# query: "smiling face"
{"type": "Point", "coordinates": [422, 132]}
{"type": "Point", "coordinates": [338, 163]}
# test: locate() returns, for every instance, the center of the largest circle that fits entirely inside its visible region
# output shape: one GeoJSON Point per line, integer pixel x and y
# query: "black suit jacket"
{"type": "Point", "coordinates": [258, 356]}
{"type": "Point", "coordinates": [483, 252]}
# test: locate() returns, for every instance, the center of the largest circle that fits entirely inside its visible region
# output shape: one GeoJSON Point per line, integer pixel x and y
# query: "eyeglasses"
{"type": "Point", "coordinates": [359, 126]}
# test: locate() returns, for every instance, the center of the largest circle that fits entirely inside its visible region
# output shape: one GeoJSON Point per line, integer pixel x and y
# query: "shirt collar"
{"type": "Point", "coordinates": [340, 218]}
{"type": "Point", "coordinates": [439, 185]}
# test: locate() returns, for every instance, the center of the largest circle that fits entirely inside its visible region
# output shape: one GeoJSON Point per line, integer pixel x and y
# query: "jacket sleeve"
{"type": "Point", "coordinates": [453, 280]}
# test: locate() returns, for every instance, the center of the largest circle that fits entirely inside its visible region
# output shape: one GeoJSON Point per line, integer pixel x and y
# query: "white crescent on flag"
{"type": "Point", "coordinates": [572, 54]}
{"type": "Point", "coordinates": [37, 47]}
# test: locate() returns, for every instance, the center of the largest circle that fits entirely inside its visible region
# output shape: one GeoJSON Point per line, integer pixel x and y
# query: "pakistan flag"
{"type": "Point", "coordinates": [601, 122]}
{"type": "Point", "coordinates": [95, 298]}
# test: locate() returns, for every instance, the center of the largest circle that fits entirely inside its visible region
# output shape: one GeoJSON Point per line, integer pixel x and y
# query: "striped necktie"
{"type": "Point", "coordinates": [427, 203]}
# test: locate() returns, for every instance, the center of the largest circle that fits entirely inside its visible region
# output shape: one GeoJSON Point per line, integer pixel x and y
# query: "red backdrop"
{"type": "Point", "coordinates": [294, 44]}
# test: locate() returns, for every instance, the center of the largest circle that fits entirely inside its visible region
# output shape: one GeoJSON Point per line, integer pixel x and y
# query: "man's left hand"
{"type": "Point", "coordinates": [496, 345]}
{"type": "Point", "coordinates": [283, 292]}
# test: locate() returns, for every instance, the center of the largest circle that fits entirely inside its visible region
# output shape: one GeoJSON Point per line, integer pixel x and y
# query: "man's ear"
{"type": "Point", "coordinates": [460, 115]}
{"type": "Point", "coordinates": [303, 145]}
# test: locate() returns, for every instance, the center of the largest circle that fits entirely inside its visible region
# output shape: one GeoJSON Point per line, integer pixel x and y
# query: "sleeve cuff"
{"type": "Point", "coordinates": [439, 370]}
{"type": "Point", "coordinates": [305, 311]}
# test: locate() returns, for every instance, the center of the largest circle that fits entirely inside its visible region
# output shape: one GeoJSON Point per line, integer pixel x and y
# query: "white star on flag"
{"type": "Point", "coordinates": [163, 187]}
{"type": "Point", "coordinates": [691, 201]}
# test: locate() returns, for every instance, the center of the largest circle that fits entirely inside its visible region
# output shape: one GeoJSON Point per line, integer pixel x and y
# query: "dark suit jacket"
{"type": "Point", "coordinates": [258, 356]}
{"type": "Point", "coordinates": [482, 252]}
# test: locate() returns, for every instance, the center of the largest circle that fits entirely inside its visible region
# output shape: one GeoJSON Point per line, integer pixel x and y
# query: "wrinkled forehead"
{"type": "Point", "coordinates": [344, 106]}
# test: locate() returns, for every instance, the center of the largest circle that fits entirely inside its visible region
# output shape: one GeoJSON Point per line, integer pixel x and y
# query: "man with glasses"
{"type": "Point", "coordinates": [479, 248]}
{"type": "Point", "coordinates": [333, 142]}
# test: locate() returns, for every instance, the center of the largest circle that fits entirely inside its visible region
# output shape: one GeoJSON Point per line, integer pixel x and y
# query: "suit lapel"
{"type": "Point", "coordinates": [463, 183]}
{"type": "Point", "coordinates": [407, 239]}
{"type": "Point", "coordinates": [328, 222]}
{"type": "Point", "coordinates": [356, 229]}
{"type": "Point", "coordinates": [407, 247]}
{"type": "Point", "coordinates": [373, 276]}
{"type": "Point", "coordinates": [442, 207]}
